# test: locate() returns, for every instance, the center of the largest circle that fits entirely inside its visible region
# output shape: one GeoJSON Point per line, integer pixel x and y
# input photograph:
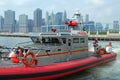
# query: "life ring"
{"type": "Point", "coordinates": [32, 61]}
{"type": "Point", "coordinates": [101, 51]}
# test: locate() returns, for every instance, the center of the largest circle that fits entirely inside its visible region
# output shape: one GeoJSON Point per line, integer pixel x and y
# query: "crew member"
{"type": "Point", "coordinates": [96, 47]}
{"type": "Point", "coordinates": [109, 47]}
{"type": "Point", "coordinates": [16, 54]}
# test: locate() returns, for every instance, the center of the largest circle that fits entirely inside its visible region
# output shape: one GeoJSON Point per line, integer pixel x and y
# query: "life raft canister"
{"type": "Point", "coordinates": [14, 58]}
{"type": "Point", "coordinates": [32, 61]}
{"type": "Point", "coordinates": [101, 51]}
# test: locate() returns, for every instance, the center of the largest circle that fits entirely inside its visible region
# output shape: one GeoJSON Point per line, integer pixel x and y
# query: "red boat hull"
{"type": "Point", "coordinates": [53, 71]}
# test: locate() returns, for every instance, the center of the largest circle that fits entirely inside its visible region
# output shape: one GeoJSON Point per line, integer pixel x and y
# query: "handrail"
{"type": "Point", "coordinates": [23, 43]}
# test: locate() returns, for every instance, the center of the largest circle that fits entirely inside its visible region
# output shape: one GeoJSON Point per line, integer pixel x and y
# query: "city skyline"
{"type": "Point", "coordinates": [99, 10]}
{"type": "Point", "coordinates": [8, 23]}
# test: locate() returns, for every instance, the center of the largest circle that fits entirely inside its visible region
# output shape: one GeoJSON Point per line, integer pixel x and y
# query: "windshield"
{"type": "Point", "coordinates": [35, 39]}
{"type": "Point", "coordinates": [50, 40]}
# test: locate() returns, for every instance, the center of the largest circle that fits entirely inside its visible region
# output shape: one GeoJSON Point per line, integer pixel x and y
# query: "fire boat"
{"type": "Point", "coordinates": [54, 54]}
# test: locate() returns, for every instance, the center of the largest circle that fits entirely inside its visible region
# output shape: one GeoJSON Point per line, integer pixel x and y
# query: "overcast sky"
{"type": "Point", "coordinates": [104, 11]}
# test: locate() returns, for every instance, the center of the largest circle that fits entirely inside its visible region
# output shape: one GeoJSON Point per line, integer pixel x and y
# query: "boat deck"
{"type": "Point", "coordinates": [4, 63]}
{"type": "Point", "coordinates": [7, 62]}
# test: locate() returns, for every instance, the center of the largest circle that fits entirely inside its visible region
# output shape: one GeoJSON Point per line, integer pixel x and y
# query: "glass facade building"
{"type": "Point", "coordinates": [37, 20]}
{"type": "Point", "coordinates": [23, 23]}
{"type": "Point", "coordinates": [9, 21]}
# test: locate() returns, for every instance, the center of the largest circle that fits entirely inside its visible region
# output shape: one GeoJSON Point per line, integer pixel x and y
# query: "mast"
{"type": "Point", "coordinates": [76, 22]}
{"type": "Point", "coordinates": [78, 18]}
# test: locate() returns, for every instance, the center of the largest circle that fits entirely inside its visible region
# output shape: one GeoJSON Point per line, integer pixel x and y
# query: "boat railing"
{"type": "Point", "coordinates": [5, 55]}
{"type": "Point", "coordinates": [36, 50]}
{"type": "Point", "coordinates": [4, 52]}
{"type": "Point", "coordinates": [24, 43]}
{"type": "Point", "coordinates": [5, 49]}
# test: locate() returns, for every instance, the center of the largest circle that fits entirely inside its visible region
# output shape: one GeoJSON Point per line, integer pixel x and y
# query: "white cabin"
{"type": "Point", "coordinates": [52, 47]}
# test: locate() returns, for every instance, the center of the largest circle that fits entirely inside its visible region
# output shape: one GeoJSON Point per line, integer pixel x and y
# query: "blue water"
{"type": "Point", "coordinates": [108, 71]}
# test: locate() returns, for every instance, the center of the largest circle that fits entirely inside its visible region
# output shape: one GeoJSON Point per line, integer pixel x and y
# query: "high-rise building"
{"type": "Point", "coordinates": [37, 20]}
{"type": "Point", "coordinates": [59, 20]}
{"type": "Point", "coordinates": [116, 25]}
{"type": "Point", "coordinates": [16, 26]}
{"type": "Point", "coordinates": [43, 21]}
{"type": "Point", "coordinates": [52, 18]}
{"type": "Point", "coordinates": [9, 21]}
{"type": "Point", "coordinates": [23, 23]}
{"type": "Point", "coordinates": [1, 23]}
{"type": "Point", "coordinates": [47, 19]}
{"type": "Point", "coordinates": [64, 16]}
{"type": "Point", "coordinates": [30, 25]}
{"type": "Point", "coordinates": [99, 27]}
{"type": "Point", "coordinates": [107, 27]}
{"type": "Point", "coordinates": [86, 18]}
{"type": "Point", "coordinates": [90, 26]}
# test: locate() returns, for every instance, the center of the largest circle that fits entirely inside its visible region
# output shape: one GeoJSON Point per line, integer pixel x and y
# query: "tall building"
{"type": "Point", "coordinates": [90, 26]}
{"type": "Point", "coordinates": [30, 25]}
{"type": "Point", "coordinates": [9, 21]}
{"type": "Point", "coordinates": [47, 19]}
{"type": "Point", "coordinates": [86, 18]}
{"type": "Point", "coordinates": [43, 21]}
{"type": "Point", "coordinates": [37, 20]}
{"type": "Point", "coordinates": [99, 27]}
{"type": "Point", "coordinates": [16, 26]}
{"type": "Point", "coordinates": [59, 20]}
{"type": "Point", "coordinates": [116, 25]}
{"type": "Point", "coordinates": [1, 23]}
{"type": "Point", "coordinates": [52, 18]}
{"type": "Point", "coordinates": [23, 23]}
{"type": "Point", "coordinates": [107, 27]}
{"type": "Point", "coordinates": [64, 16]}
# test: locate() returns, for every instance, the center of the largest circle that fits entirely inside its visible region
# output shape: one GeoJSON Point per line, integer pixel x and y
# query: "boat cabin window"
{"type": "Point", "coordinates": [75, 40]}
{"type": "Point", "coordinates": [82, 40]}
{"type": "Point", "coordinates": [64, 40]}
{"type": "Point", "coordinates": [35, 39]}
{"type": "Point", "coordinates": [50, 40]}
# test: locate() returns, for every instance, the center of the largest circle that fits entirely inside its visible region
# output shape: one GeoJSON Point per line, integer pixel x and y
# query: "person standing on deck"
{"type": "Point", "coordinates": [15, 54]}
{"type": "Point", "coordinates": [96, 47]}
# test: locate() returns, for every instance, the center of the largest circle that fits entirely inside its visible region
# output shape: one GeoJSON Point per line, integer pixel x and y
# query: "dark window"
{"type": "Point", "coordinates": [50, 40]}
{"type": "Point", "coordinates": [35, 39]}
{"type": "Point", "coordinates": [64, 40]}
{"type": "Point", "coordinates": [82, 40]}
{"type": "Point", "coordinates": [75, 40]}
